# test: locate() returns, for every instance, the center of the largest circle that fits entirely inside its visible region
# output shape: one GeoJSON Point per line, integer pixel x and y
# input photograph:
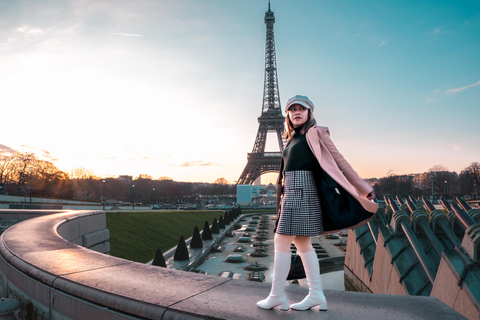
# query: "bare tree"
{"type": "Point", "coordinates": [474, 171]}
{"type": "Point", "coordinates": [221, 181]}
{"type": "Point", "coordinates": [6, 169]}
{"type": "Point", "coordinates": [81, 173]}
{"type": "Point", "coordinates": [23, 165]}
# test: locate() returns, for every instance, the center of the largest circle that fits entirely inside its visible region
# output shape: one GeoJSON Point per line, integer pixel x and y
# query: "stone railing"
{"type": "Point", "coordinates": [44, 265]}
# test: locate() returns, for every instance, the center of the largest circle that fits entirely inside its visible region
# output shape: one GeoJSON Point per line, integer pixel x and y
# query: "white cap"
{"type": "Point", "coordinates": [301, 100]}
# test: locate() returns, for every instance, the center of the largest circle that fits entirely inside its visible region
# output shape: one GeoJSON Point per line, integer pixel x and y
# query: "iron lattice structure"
{"type": "Point", "coordinates": [259, 161]}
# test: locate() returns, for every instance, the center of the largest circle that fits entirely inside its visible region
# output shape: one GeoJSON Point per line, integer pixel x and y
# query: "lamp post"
{"type": "Point", "coordinates": [153, 197]}
{"type": "Point", "coordinates": [133, 197]}
{"type": "Point", "coordinates": [431, 172]}
{"type": "Point", "coordinates": [446, 190]}
{"type": "Point", "coordinates": [103, 194]}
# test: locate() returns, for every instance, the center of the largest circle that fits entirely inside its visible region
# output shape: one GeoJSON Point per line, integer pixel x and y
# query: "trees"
{"type": "Point", "coordinates": [444, 182]}
{"type": "Point", "coordinates": [222, 181]}
{"type": "Point", "coordinates": [24, 173]}
{"type": "Point", "coordinates": [469, 180]}
{"type": "Point", "coordinates": [81, 173]}
{"type": "Point", "coordinates": [394, 185]}
{"type": "Point", "coordinates": [6, 170]}
{"type": "Point", "coordinates": [473, 171]}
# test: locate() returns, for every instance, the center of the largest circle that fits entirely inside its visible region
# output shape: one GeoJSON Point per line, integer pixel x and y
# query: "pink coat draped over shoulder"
{"type": "Point", "coordinates": [335, 165]}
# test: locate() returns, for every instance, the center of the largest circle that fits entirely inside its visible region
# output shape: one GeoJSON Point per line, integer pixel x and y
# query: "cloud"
{"type": "Point", "coordinates": [433, 96]}
{"type": "Point", "coordinates": [47, 154]}
{"type": "Point", "coordinates": [6, 150]}
{"type": "Point", "coordinates": [390, 171]}
{"type": "Point", "coordinates": [197, 163]}
{"type": "Point", "coordinates": [441, 30]}
{"type": "Point", "coordinates": [127, 34]}
{"type": "Point", "coordinates": [455, 90]}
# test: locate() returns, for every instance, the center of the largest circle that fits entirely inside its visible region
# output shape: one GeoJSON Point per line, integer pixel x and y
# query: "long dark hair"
{"type": "Point", "coordinates": [289, 130]}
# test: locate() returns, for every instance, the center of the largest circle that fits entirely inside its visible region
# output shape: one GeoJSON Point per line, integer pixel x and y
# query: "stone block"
{"type": "Point", "coordinates": [65, 306]}
{"type": "Point", "coordinates": [94, 238]}
{"type": "Point", "coordinates": [28, 290]}
{"type": "Point", "coordinates": [382, 268]}
{"type": "Point", "coordinates": [103, 247]}
{"type": "Point", "coordinates": [394, 286]}
{"type": "Point", "coordinates": [445, 286]}
{"type": "Point", "coordinates": [77, 241]}
{"type": "Point", "coordinates": [92, 222]}
{"type": "Point", "coordinates": [69, 230]}
{"type": "Point", "coordinates": [464, 306]}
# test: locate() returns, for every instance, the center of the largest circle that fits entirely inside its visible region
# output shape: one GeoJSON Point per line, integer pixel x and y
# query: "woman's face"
{"type": "Point", "coordinates": [298, 115]}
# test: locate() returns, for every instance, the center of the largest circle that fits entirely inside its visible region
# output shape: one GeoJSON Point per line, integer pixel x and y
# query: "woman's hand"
{"type": "Point", "coordinates": [371, 195]}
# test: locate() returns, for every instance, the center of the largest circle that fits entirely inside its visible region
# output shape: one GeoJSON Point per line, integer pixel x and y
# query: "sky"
{"type": "Point", "coordinates": [174, 87]}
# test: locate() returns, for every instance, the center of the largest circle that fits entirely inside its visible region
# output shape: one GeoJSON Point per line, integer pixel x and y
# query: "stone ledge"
{"type": "Point", "coordinates": [41, 268]}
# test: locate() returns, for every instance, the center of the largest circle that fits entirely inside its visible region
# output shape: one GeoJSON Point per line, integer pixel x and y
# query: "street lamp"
{"type": "Point", "coordinates": [446, 190]}
{"type": "Point", "coordinates": [153, 197]}
{"type": "Point", "coordinates": [431, 172]}
{"type": "Point", "coordinates": [133, 196]}
{"type": "Point", "coordinates": [103, 194]}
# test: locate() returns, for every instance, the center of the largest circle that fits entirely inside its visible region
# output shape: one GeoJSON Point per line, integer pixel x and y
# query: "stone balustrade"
{"type": "Point", "coordinates": [46, 265]}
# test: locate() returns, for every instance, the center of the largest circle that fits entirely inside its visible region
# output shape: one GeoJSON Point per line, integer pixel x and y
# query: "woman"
{"type": "Point", "coordinates": [317, 192]}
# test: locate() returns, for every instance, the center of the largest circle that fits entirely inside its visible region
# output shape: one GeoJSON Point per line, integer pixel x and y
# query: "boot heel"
{"type": "Point", "coordinates": [285, 307]}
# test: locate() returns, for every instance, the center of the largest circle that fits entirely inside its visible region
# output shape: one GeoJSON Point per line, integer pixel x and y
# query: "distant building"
{"type": "Point", "coordinates": [126, 178]}
{"type": "Point", "coordinates": [252, 195]}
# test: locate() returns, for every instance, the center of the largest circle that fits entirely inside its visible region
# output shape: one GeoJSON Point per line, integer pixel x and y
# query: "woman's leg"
{"type": "Point", "coordinates": [283, 242]}
{"type": "Point", "coordinates": [315, 295]}
{"type": "Point", "coordinates": [281, 267]}
{"type": "Point", "coordinates": [303, 244]}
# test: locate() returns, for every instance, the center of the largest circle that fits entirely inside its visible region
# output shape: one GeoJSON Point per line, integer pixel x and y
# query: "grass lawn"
{"type": "Point", "coordinates": [136, 235]}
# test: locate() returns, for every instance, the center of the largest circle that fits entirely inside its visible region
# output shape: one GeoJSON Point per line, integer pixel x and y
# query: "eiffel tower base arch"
{"type": "Point", "coordinates": [258, 165]}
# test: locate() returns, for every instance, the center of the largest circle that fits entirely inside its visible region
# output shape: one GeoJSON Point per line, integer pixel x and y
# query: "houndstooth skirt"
{"type": "Point", "coordinates": [300, 211]}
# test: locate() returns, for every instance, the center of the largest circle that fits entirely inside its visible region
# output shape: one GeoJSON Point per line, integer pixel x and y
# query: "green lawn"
{"type": "Point", "coordinates": [136, 235]}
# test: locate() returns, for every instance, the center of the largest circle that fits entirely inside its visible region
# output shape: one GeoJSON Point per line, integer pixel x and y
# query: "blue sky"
{"type": "Point", "coordinates": [174, 88]}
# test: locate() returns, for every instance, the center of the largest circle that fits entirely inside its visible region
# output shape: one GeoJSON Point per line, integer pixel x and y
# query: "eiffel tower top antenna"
{"type": "Point", "coordinates": [271, 98]}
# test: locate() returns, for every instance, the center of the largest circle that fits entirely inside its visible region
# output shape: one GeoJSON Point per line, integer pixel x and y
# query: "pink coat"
{"type": "Point", "coordinates": [335, 165]}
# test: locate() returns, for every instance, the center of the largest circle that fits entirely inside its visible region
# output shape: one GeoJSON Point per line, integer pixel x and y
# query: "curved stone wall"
{"type": "Point", "coordinates": [45, 267]}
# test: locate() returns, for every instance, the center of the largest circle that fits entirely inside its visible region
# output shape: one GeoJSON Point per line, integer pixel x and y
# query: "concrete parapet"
{"type": "Point", "coordinates": [53, 278]}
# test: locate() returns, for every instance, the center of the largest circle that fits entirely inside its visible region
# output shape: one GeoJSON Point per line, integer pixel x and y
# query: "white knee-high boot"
{"type": "Point", "coordinates": [315, 295]}
{"type": "Point", "coordinates": [277, 297]}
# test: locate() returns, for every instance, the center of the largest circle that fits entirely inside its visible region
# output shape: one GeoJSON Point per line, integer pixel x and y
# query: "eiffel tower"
{"type": "Point", "coordinates": [259, 161]}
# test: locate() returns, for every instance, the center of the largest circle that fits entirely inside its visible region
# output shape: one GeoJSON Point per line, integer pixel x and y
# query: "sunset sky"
{"type": "Point", "coordinates": [174, 88]}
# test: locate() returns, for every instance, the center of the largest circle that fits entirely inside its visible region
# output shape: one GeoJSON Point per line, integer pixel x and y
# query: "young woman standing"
{"type": "Point", "coordinates": [317, 192]}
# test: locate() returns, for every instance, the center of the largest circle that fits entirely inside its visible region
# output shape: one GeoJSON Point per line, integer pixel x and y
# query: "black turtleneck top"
{"type": "Point", "coordinates": [298, 156]}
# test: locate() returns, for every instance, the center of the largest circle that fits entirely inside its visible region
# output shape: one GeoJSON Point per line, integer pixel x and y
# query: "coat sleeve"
{"type": "Point", "coordinates": [362, 187]}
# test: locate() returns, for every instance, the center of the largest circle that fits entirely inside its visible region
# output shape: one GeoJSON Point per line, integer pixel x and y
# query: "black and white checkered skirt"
{"type": "Point", "coordinates": [300, 211]}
